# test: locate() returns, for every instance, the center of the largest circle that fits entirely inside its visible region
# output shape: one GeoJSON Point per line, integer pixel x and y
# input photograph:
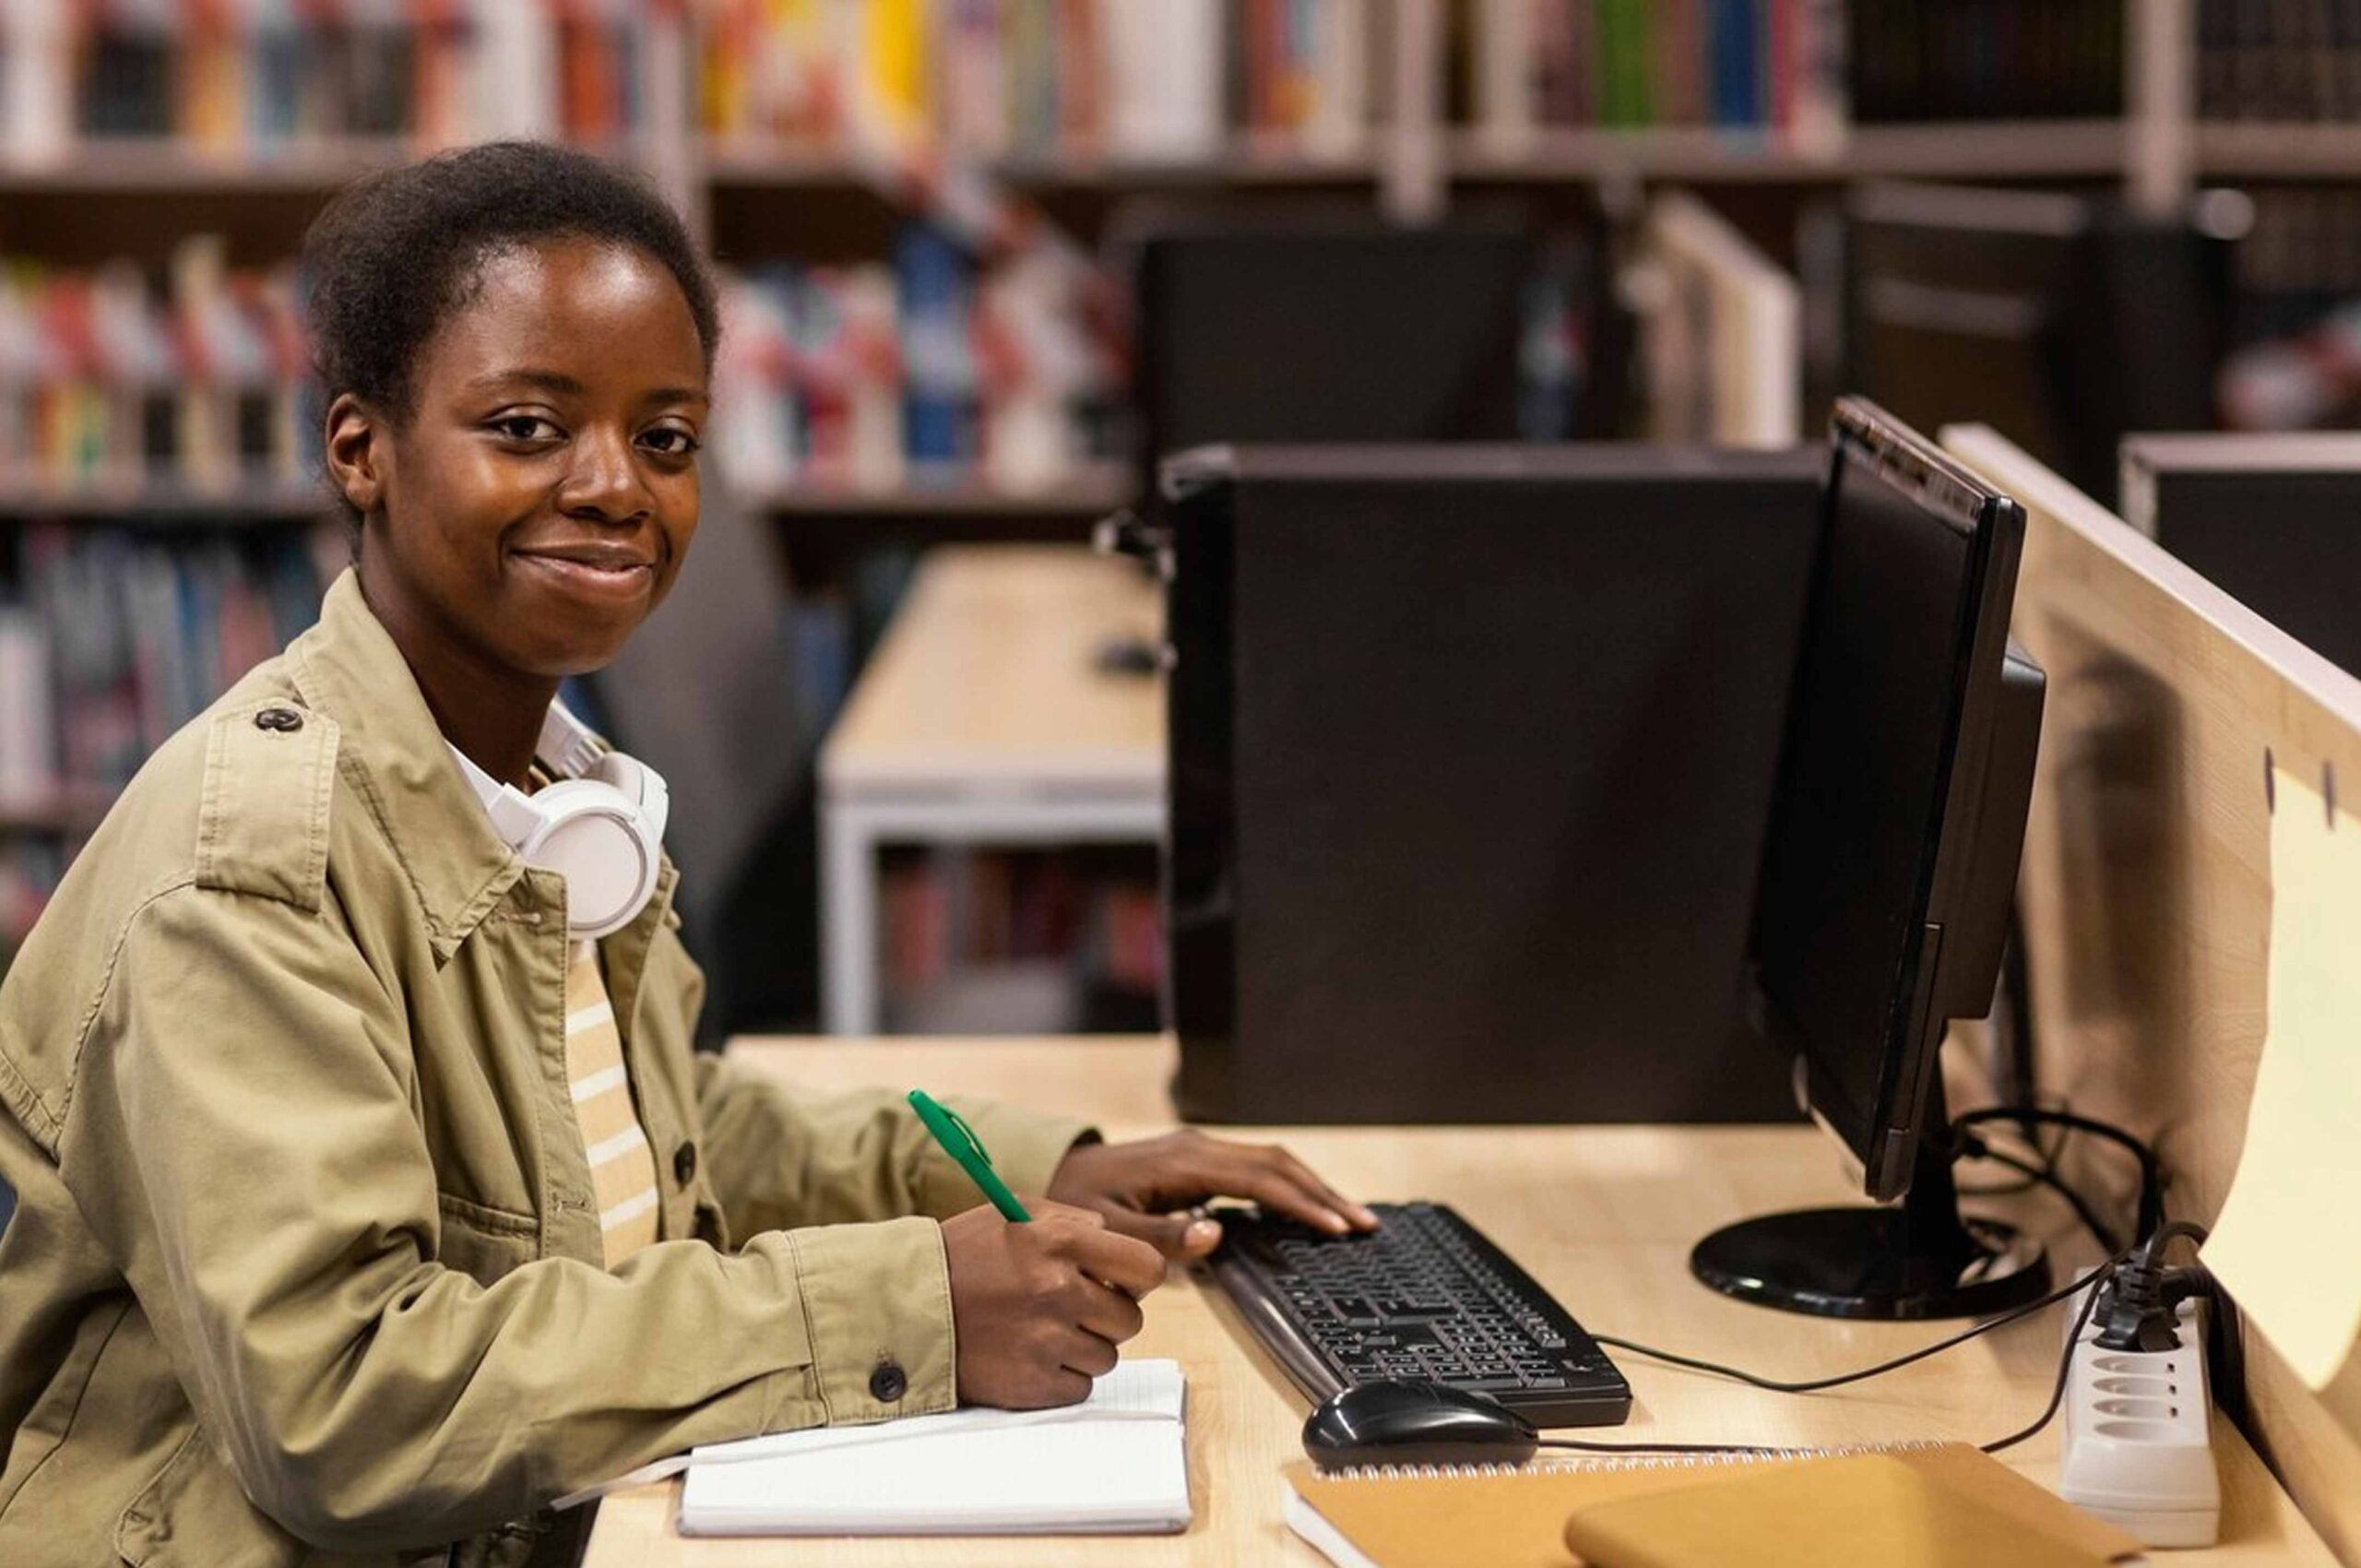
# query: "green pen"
{"type": "Point", "coordinates": [958, 1141]}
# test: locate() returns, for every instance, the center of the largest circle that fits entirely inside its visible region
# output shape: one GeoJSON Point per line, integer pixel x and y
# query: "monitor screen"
{"type": "Point", "coordinates": [1907, 607]}
{"type": "Point", "coordinates": [2273, 520]}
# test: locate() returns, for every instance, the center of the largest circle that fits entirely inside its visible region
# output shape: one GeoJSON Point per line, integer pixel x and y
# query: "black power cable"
{"type": "Point", "coordinates": [2035, 1175]}
{"type": "Point", "coordinates": [2152, 1177]}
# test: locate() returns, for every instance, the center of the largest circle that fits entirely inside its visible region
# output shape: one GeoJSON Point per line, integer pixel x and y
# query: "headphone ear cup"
{"type": "Point", "coordinates": [595, 838]}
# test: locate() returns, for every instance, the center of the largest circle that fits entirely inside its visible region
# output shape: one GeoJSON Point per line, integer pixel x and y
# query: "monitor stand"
{"type": "Point", "coordinates": [1919, 1258]}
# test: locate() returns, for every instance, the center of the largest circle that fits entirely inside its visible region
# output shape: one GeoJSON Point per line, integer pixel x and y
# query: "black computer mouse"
{"type": "Point", "coordinates": [1415, 1423]}
{"type": "Point", "coordinates": [1128, 656]}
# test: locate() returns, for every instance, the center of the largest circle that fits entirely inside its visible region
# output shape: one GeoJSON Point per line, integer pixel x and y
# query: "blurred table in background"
{"type": "Point", "coordinates": [985, 718]}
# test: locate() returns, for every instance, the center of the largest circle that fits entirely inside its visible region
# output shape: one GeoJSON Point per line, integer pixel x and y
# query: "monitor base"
{"type": "Point", "coordinates": [1919, 1259]}
{"type": "Point", "coordinates": [1865, 1262]}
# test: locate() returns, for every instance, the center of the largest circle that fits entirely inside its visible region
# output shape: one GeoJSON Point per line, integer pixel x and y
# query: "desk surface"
{"type": "Point", "coordinates": [1604, 1216]}
{"type": "Point", "coordinates": [987, 676]}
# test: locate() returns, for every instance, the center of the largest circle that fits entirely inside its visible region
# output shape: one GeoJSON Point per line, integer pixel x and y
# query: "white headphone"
{"type": "Point", "coordinates": [600, 825]}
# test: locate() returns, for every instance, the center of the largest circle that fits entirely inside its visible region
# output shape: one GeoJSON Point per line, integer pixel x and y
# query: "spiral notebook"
{"type": "Point", "coordinates": [1429, 1518]}
{"type": "Point", "coordinates": [1113, 1465]}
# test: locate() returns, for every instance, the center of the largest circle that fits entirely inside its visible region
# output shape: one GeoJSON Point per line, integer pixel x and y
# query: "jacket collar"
{"type": "Point", "coordinates": [347, 667]}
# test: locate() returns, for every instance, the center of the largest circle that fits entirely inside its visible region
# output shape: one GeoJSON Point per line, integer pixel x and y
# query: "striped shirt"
{"type": "Point", "coordinates": [622, 1171]}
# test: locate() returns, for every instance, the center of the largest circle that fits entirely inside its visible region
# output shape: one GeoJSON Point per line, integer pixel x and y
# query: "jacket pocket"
{"type": "Point", "coordinates": [194, 1515]}
{"type": "Point", "coordinates": [482, 1241]}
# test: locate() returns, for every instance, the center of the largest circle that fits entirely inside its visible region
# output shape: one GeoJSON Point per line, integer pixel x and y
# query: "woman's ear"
{"type": "Point", "coordinates": [358, 453]}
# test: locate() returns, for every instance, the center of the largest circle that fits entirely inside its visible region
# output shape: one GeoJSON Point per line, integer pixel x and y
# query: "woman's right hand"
{"type": "Point", "coordinates": [1038, 1308]}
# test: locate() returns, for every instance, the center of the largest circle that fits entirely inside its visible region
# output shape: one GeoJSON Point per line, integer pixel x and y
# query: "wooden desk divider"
{"type": "Point", "coordinates": [2146, 883]}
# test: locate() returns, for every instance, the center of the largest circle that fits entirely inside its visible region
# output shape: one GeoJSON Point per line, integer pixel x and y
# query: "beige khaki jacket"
{"type": "Point", "coordinates": [306, 1268]}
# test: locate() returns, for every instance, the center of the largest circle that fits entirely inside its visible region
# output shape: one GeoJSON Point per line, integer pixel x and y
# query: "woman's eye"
{"type": "Point", "coordinates": [670, 440]}
{"type": "Point", "coordinates": [525, 427]}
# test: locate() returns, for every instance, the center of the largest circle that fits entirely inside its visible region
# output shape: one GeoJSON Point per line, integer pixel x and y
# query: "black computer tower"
{"type": "Point", "coordinates": [1471, 756]}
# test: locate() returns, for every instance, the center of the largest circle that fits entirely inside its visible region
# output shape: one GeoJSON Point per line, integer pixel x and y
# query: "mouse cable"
{"type": "Point", "coordinates": [2093, 1280]}
{"type": "Point", "coordinates": [1814, 1384]}
{"type": "Point", "coordinates": [2152, 1177]}
{"type": "Point", "coordinates": [2090, 1282]}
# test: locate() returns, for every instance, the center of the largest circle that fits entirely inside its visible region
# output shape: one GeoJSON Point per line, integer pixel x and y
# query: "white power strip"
{"type": "Point", "coordinates": [2139, 1449]}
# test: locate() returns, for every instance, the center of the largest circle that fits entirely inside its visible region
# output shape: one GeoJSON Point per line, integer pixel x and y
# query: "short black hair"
{"type": "Point", "coordinates": [392, 253]}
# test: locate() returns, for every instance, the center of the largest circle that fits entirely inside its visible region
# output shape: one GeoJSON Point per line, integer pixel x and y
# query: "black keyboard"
{"type": "Point", "coordinates": [1426, 1296]}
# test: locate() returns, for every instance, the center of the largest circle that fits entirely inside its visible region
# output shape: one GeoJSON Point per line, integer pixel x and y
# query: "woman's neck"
{"type": "Point", "coordinates": [491, 712]}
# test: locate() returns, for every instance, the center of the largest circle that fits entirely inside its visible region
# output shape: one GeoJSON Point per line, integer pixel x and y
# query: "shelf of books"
{"type": "Point", "coordinates": [1021, 941]}
{"type": "Point", "coordinates": [111, 638]}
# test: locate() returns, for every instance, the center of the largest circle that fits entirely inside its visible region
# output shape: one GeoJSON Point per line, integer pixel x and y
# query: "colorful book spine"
{"type": "Point", "coordinates": [113, 378]}
{"type": "Point", "coordinates": [114, 637]}
{"type": "Point", "coordinates": [934, 369]}
{"type": "Point", "coordinates": [1152, 79]}
{"type": "Point", "coordinates": [250, 78]}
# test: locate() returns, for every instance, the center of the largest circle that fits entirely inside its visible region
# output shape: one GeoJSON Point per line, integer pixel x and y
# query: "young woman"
{"type": "Point", "coordinates": [370, 1196]}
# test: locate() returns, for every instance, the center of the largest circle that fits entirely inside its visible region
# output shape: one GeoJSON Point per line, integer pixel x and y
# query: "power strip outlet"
{"type": "Point", "coordinates": [2139, 1449]}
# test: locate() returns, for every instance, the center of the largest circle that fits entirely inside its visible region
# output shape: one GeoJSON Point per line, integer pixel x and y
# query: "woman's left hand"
{"type": "Point", "coordinates": [1147, 1188]}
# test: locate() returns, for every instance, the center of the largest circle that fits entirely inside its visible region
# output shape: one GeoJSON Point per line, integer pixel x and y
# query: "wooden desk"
{"type": "Point", "coordinates": [1602, 1215]}
{"type": "Point", "coordinates": [983, 719]}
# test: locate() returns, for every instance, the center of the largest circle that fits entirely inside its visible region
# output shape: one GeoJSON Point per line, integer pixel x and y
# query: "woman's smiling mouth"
{"type": "Point", "coordinates": [594, 568]}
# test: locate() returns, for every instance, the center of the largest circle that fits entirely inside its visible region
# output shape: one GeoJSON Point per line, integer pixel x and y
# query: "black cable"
{"type": "Point", "coordinates": [2152, 1177]}
{"type": "Point", "coordinates": [2152, 1253]}
{"type": "Point", "coordinates": [2091, 1282]}
{"type": "Point", "coordinates": [2048, 1158]}
{"type": "Point", "coordinates": [2035, 1174]}
{"type": "Point", "coordinates": [2094, 1281]}
{"type": "Point", "coordinates": [1813, 1385]}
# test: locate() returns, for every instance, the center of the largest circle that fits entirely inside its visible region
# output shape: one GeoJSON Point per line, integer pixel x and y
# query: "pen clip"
{"type": "Point", "coordinates": [975, 1144]}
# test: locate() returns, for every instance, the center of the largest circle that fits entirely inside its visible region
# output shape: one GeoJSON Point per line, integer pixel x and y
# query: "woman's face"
{"type": "Point", "coordinates": [539, 499]}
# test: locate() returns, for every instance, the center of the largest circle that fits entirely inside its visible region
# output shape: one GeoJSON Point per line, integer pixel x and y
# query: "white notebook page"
{"type": "Point", "coordinates": [1113, 1463]}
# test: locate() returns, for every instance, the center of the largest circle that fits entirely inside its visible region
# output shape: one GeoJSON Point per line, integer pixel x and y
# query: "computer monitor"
{"type": "Point", "coordinates": [1323, 327]}
{"type": "Point", "coordinates": [1721, 330]}
{"type": "Point", "coordinates": [2275, 520]}
{"type": "Point", "coordinates": [1887, 876]}
{"type": "Point", "coordinates": [2062, 321]}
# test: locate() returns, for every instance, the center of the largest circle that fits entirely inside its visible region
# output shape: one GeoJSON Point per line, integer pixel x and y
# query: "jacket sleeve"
{"type": "Point", "coordinates": [245, 1136]}
{"type": "Point", "coordinates": [781, 1156]}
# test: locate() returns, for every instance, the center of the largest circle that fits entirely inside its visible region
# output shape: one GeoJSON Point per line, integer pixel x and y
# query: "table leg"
{"type": "Point", "coordinates": [848, 920]}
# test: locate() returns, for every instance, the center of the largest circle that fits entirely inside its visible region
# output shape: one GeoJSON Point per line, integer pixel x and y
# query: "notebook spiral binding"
{"type": "Point", "coordinates": [1633, 1462]}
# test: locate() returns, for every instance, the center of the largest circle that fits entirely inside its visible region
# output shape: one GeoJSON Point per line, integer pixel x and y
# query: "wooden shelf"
{"type": "Point", "coordinates": [1999, 148]}
{"type": "Point", "coordinates": [1100, 488]}
{"type": "Point", "coordinates": [74, 812]}
{"type": "Point", "coordinates": [143, 164]}
{"type": "Point", "coordinates": [1247, 160]}
{"type": "Point", "coordinates": [2328, 149]}
{"type": "Point", "coordinates": [146, 164]}
{"type": "Point", "coordinates": [162, 504]}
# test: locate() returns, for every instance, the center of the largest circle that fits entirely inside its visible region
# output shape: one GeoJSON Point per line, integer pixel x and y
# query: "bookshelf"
{"type": "Point", "coordinates": [150, 504]}
{"type": "Point", "coordinates": [2081, 149]}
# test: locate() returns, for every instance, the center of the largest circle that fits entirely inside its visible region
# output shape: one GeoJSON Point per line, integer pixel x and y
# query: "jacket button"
{"type": "Point", "coordinates": [684, 1163]}
{"type": "Point", "coordinates": [284, 720]}
{"type": "Point", "coordinates": [888, 1383]}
